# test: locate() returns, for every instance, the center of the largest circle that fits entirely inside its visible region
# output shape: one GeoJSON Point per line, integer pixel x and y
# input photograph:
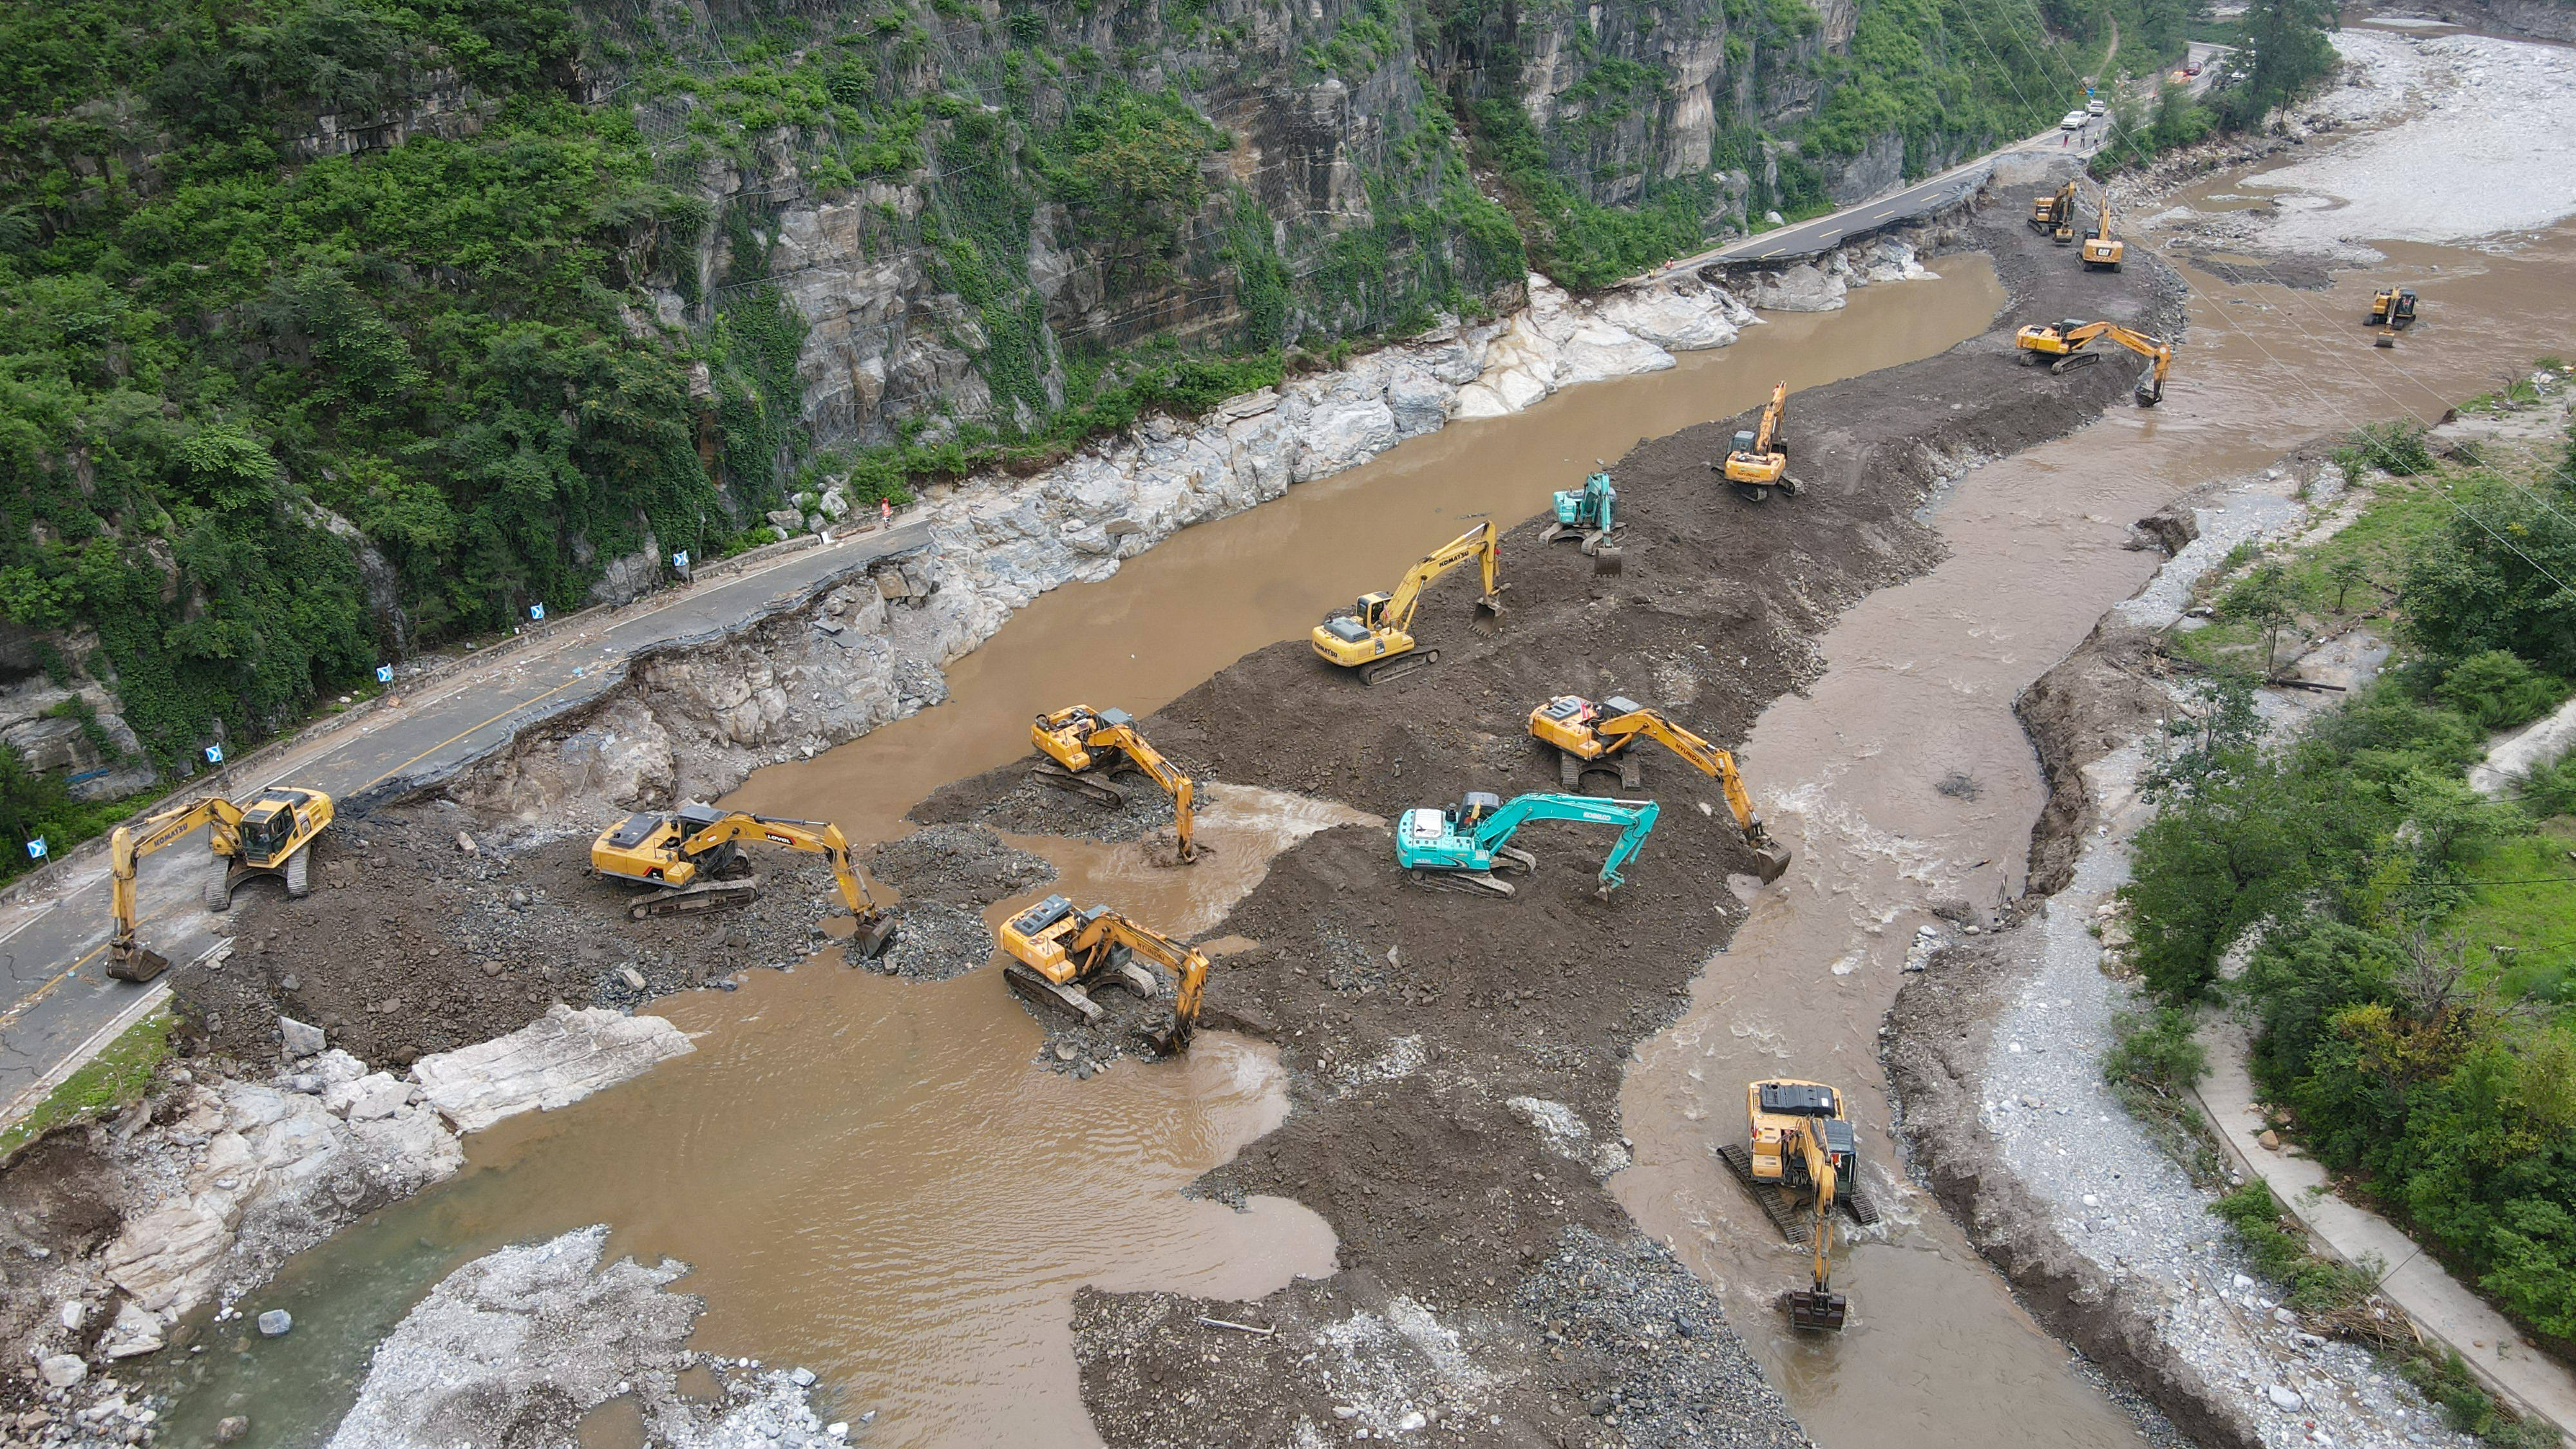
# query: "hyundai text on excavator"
{"type": "Point", "coordinates": [1375, 639]}
{"type": "Point", "coordinates": [266, 837]}
{"type": "Point", "coordinates": [2063, 346]}
{"type": "Point", "coordinates": [694, 856]}
{"type": "Point", "coordinates": [1589, 514]}
{"type": "Point", "coordinates": [1085, 746]}
{"type": "Point", "coordinates": [1458, 849]}
{"type": "Point", "coordinates": [1589, 736]}
{"type": "Point", "coordinates": [1799, 1143]}
{"type": "Point", "coordinates": [2101, 249]}
{"type": "Point", "coordinates": [1759, 461]}
{"type": "Point", "coordinates": [1057, 951]}
{"type": "Point", "coordinates": [2053, 214]}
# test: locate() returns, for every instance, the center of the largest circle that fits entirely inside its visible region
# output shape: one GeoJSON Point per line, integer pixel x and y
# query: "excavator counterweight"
{"type": "Point", "coordinates": [694, 857]}
{"type": "Point", "coordinates": [1758, 460]}
{"type": "Point", "coordinates": [1589, 736]}
{"type": "Point", "coordinates": [268, 836]}
{"type": "Point", "coordinates": [1084, 747]}
{"type": "Point", "coordinates": [1058, 952]}
{"type": "Point", "coordinates": [1375, 640]}
{"type": "Point", "coordinates": [1458, 848]}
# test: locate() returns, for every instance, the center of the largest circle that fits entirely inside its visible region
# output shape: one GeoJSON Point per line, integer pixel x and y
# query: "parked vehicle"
{"type": "Point", "coordinates": [2074, 121]}
{"type": "Point", "coordinates": [2094, 108]}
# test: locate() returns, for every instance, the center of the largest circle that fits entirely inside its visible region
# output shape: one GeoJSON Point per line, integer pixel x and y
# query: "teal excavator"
{"type": "Point", "coordinates": [1589, 514]}
{"type": "Point", "coordinates": [1458, 849]}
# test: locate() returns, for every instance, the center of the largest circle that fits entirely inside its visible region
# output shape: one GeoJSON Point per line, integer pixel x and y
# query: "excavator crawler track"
{"type": "Point", "coordinates": [1386, 670]}
{"type": "Point", "coordinates": [1071, 1002]}
{"type": "Point", "coordinates": [696, 900]}
{"type": "Point", "coordinates": [1096, 790]}
{"type": "Point", "coordinates": [1782, 1207]}
{"type": "Point", "coordinates": [1472, 882]}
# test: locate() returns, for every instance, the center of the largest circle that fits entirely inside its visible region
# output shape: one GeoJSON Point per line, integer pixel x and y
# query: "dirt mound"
{"type": "Point", "coordinates": [2079, 711]}
{"type": "Point", "coordinates": [1455, 1061]}
{"type": "Point", "coordinates": [958, 865]}
{"type": "Point", "coordinates": [1007, 799]}
{"type": "Point", "coordinates": [934, 941]}
{"type": "Point", "coordinates": [409, 945]}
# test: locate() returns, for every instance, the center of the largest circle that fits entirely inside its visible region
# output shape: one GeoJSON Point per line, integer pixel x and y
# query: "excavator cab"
{"type": "Point", "coordinates": [1743, 441]}
{"type": "Point", "coordinates": [1372, 610]}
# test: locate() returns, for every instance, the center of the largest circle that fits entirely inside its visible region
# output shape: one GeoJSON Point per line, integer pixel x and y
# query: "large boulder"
{"type": "Point", "coordinates": [551, 1062]}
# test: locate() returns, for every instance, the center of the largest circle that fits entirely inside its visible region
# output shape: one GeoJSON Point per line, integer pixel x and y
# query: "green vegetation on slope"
{"type": "Point", "coordinates": [2414, 974]}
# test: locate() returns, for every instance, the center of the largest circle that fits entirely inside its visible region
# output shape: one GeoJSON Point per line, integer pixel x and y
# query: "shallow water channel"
{"type": "Point", "coordinates": [869, 1177]}
{"type": "Point", "coordinates": [1918, 691]}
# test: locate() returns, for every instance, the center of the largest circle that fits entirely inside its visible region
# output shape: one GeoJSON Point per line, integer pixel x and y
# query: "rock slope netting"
{"type": "Point", "coordinates": [1455, 1061]}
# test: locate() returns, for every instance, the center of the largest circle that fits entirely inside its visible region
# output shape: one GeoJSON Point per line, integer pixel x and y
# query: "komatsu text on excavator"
{"type": "Point", "coordinates": [1798, 1142]}
{"type": "Point", "coordinates": [1374, 638]}
{"type": "Point", "coordinates": [1591, 736]}
{"type": "Point", "coordinates": [266, 837]}
{"type": "Point", "coordinates": [694, 855]}
{"type": "Point", "coordinates": [1057, 951]}
{"type": "Point", "coordinates": [2063, 346]}
{"type": "Point", "coordinates": [1085, 747]}
{"type": "Point", "coordinates": [1458, 849]}
{"type": "Point", "coordinates": [1759, 459]}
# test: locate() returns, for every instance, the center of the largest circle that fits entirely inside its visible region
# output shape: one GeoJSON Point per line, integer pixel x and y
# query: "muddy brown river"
{"type": "Point", "coordinates": [872, 1180]}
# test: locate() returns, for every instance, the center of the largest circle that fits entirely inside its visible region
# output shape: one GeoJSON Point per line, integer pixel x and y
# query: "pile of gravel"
{"type": "Point", "coordinates": [1684, 1377]}
{"type": "Point", "coordinates": [958, 865]}
{"type": "Point", "coordinates": [934, 941]}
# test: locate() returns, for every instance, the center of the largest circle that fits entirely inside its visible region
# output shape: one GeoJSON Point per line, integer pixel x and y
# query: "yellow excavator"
{"type": "Point", "coordinates": [1798, 1143]}
{"type": "Point", "coordinates": [2062, 345]}
{"type": "Point", "coordinates": [1057, 951]}
{"type": "Point", "coordinates": [1373, 637]}
{"type": "Point", "coordinates": [2101, 249]}
{"type": "Point", "coordinates": [2392, 309]}
{"type": "Point", "coordinates": [1588, 735]}
{"type": "Point", "coordinates": [694, 858]}
{"type": "Point", "coordinates": [1759, 460]}
{"type": "Point", "coordinates": [2053, 213]}
{"type": "Point", "coordinates": [265, 837]}
{"type": "Point", "coordinates": [1085, 746]}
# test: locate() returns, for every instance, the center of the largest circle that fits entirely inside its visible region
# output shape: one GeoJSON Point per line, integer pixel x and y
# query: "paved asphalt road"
{"type": "Point", "coordinates": [53, 945]}
{"type": "Point", "coordinates": [1807, 238]}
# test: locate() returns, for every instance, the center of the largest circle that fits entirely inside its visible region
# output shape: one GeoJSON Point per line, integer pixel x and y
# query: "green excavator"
{"type": "Point", "coordinates": [1457, 849]}
{"type": "Point", "coordinates": [1589, 514]}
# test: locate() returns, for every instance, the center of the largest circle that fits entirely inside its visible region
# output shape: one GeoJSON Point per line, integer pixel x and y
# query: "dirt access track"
{"type": "Point", "coordinates": [1454, 1061]}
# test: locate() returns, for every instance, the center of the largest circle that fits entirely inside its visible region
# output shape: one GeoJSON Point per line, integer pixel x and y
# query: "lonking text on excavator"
{"type": "Point", "coordinates": [694, 858]}
{"type": "Point", "coordinates": [1085, 747]}
{"type": "Point", "coordinates": [1588, 736]}
{"type": "Point", "coordinates": [1375, 639]}
{"type": "Point", "coordinates": [266, 837]}
{"type": "Point", "coordinates": [1458, 849]}
{"type": "Point", "coordinates": [1798, 1143]}
{"type": "Point", "coordinates": [1057, 952]}
{"type": "Point", "coordinates": [1759, 460]}
{"type": "Point", "coordinates": [2064, 346]}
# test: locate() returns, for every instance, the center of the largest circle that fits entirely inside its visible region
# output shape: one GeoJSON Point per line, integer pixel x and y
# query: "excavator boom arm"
{"type": "Point", "coordinates": [1161, 771]}
{"type": "Point", "coordinates": [1188, 967]}
{"type": "Point", "coordinates": [1477, 543]}
{"type": "Point", "coordinates": [813, 837]}
{"type": "Point", "coordinates": [1635, 817]}
{"type": "Point", "coordinates": [126, 849]}
{"type": "Point", "coordinates": [1708, 759]}
{"type": "Point", "coordinates": [1771, 417]}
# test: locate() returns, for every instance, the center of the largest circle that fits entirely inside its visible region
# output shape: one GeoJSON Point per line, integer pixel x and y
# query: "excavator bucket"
{"type": "Point", "coordinates": [875, 932]}
{"type": "Point", "coordinates": [133, 961]}
{"type": "Point", "coordinates": [1770, 861]}
{"type": "Point", "coordinates": [2150, 391]}
{"type": "Point", "coordinates": [1815, 1311]}
{"type": "Point", "coordinates": [1489, 615]}
{"type": "Point", "coordinates": [1606, 562]}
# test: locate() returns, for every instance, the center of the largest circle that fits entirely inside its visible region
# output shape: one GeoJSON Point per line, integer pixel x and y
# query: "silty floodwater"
{"type": "Point", "coordinates": [869, 1177]}
{"type": "Point", "coordinates": [1917, 693]}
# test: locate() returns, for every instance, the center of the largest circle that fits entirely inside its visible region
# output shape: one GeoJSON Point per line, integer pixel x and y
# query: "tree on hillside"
{"type": "Point", "coordinates": [2286, 50]}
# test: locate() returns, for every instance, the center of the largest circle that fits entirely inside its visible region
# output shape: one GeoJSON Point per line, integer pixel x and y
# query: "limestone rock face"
{"type": "Point", "coordinates": [552, 1062]}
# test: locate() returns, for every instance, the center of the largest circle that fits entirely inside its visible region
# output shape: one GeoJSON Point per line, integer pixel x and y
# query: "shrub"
{"type": "Point", "coordinates": [2498, 691]}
